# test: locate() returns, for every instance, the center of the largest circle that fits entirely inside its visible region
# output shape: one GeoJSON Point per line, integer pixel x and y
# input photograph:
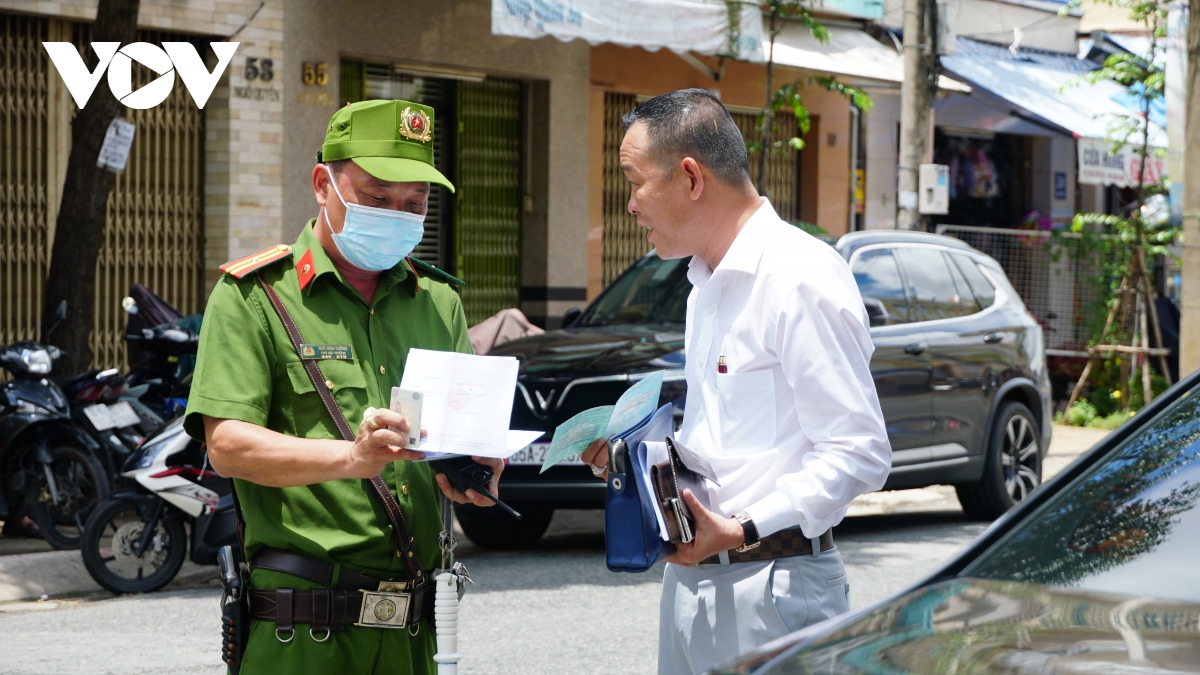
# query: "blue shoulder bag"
{"type": "Point", "coordinates": [631, 536]}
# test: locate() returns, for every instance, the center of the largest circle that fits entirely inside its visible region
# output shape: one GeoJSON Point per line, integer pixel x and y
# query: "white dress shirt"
{"type": "Point", "coordinates": [793, 429]}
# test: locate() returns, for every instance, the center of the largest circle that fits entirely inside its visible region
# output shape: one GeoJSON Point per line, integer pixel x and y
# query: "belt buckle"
{"type": "Point", "coordinates": [386, 607]}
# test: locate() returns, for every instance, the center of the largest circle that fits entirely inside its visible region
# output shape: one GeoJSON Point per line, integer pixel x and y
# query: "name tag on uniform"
{"type": "Point", "coordinates": [317, 352]}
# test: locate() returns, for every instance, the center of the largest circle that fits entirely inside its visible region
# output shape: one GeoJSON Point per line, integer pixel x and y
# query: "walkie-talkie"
{"type": "Point", "coordinates": [465, 474]}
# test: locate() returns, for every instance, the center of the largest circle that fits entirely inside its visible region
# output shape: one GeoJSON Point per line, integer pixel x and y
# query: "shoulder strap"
{"type": "Point", "coordinates": [435, 273]}
{"type": "Point", "coordinates": [379, 487]}
{"type": "Point", "coordinates": [255, 261]}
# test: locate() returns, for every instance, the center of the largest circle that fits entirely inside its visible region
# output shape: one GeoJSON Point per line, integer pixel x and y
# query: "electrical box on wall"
{"type": "Point", "coordinates": [933, 189]}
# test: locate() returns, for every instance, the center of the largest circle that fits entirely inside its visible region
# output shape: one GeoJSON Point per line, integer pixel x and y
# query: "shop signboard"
{"type": "Point", "coordinates": [1099, 165]}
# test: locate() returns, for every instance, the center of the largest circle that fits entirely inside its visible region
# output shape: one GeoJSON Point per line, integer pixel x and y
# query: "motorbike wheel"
{"type": "Point", "coordinates": [108, 540]}
{"type": "Point", "coordinates": [81, 484]}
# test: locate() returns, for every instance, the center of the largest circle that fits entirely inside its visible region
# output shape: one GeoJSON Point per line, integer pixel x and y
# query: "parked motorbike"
{"type": "Point", "coordinates": [135, 542]}
{"type": "Point", "coordinates": [48, 468]}
{"type": "Point", "coordinates": [119, 416]}
{"type": "Point", "coordinates": [119, 410]}
{"type": "Point", "coordinates": [162, 346]}
{"type": "Point", "coordinates": [100, 408]}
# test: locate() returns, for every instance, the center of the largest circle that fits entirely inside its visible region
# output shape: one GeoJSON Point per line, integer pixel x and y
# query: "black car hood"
{"type": "Point", "coordinates": [602, 350]}
{"type": "Point", "coordinates": [984, 626]}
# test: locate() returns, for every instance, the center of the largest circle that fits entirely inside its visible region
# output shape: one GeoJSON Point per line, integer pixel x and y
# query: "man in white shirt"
{"type": "Point", "coordinates": [780, 396]}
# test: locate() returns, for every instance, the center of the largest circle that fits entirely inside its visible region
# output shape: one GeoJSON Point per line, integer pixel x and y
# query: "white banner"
{"type": "Point", "coordinates": [701, 26]}
{"type": "Point", "coordinates": [1099, 166]}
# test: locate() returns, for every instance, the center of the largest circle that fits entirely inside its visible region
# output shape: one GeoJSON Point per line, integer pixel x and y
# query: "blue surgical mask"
{"type": "Point", "coordinates": [375, 239]}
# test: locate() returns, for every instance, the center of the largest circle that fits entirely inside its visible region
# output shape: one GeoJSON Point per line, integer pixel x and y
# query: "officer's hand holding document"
{"type": "Point", "coordinates": [573, 436]}
{"type": "Point", "coordinates": [465, 403]}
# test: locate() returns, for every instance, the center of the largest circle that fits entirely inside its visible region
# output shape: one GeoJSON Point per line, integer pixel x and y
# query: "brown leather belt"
{"type": "Point", "coordinates": [782, 544]}
{"type": "Point", "coordinates": [325, 610]}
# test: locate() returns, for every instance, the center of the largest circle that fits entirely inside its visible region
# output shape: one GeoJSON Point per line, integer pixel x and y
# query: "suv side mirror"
{"type": "Point", "coordinates": [571, 316]}
{"type": "Point", "coordinates": [876, 312]}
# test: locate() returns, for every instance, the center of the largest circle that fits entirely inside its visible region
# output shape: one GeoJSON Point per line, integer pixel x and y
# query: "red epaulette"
{"type": "Point", "coordinates": [243, 266]}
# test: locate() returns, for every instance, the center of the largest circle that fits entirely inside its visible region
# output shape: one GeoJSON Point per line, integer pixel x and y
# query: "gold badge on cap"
{"type": "Point", "coordinates": [415, 125]}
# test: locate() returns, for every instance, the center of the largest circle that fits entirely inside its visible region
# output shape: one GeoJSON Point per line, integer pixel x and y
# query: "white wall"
{"type": "Point", "coordinates": [1053, 155]}
{"type": "Point", "coordinates": [881, 130]}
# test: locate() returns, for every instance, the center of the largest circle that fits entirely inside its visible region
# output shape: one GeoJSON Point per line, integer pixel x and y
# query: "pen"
{"type": "Point", "coordinates": [721, 368]}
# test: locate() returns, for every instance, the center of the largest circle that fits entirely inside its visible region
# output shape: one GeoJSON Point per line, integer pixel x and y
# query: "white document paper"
{"type": "Point", "coordinates": [650, 454]}
{"type": "Point", "coordinates": [468, 401]}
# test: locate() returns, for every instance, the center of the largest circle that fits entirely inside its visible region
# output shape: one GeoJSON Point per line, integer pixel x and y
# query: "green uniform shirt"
{"type": "Point", "coordinates": [248, 370]}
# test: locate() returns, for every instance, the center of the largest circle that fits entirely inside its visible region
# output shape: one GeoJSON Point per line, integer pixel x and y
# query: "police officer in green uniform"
{"type": "Point", "coordinates": [312, 523]}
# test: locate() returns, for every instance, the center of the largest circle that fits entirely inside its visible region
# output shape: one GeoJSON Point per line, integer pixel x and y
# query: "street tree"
{"type": "Point", "coordinates": [1142, 230]}
{"type": "Point", "coordinates": [79, 230]}
{"type": "Point", "coordinates": [789, 95]}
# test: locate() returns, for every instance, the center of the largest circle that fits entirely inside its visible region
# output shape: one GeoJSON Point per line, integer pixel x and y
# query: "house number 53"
{"type": "Point", "coordinates": [259, 69]}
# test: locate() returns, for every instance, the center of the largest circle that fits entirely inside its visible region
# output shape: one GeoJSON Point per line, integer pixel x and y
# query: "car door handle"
{"type": "Point", "coordinates": [993, 338]}
{"type": "Point", "coordinates": [915, 348]}
{"type": "Point", "coordinates": [943, 387]}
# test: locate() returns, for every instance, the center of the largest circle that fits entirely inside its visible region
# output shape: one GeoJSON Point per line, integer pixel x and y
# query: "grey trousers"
{"type": "Point", "coordinates": [712, 613]}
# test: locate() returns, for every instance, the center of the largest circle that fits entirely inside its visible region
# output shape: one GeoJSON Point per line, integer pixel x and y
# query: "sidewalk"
{"type": "Point", "coordinates": [1066, 443]}
{"type": "Point", "coordinates": [29, 568]}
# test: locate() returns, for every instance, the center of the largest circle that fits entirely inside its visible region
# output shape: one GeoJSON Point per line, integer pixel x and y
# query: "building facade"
{"type": "Point", "coordinates": [527, 129]}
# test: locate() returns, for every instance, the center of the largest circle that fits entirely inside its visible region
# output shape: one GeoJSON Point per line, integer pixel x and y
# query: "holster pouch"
{"type": "Point", "coordinates": [683, 469]}
{"type": "Point", "coordinates": [235, 608]}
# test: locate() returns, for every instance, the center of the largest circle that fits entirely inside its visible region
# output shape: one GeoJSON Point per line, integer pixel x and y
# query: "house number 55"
{"type": "Point", "coordinates": [315, 73]}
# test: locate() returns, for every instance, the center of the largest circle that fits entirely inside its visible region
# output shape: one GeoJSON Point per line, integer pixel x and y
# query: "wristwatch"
{"type": "Point", "coordinates": [749, 531]}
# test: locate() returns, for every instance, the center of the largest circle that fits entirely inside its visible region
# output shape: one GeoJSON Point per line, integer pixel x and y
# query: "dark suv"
{"type": "Point", "coordinates": [958, 364]}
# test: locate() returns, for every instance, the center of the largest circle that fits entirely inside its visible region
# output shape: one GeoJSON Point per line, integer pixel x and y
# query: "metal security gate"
{"type": "Point", "coordinates": [154, 225]}
{"type": "Point", "coordinates": [624, 242]}
{"type": "Point", "coordinates": [489, 198]}
{"type": "Point", "coordinates": [783, 165]}
{"type": "Point", "coordinates": [24, 179]}
{"type": "Point", "coordinates": [478, 141]}
{"type": "Point", "coordinates": [380, 81]}
{"type": "Point", "coordinates": [154, 229]}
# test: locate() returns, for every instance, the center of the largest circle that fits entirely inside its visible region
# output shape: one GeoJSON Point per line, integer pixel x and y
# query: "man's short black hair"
{"type": "Point", "coordinates": [693, 123]}
{"type": "Point", "coordinates": [337, 165]}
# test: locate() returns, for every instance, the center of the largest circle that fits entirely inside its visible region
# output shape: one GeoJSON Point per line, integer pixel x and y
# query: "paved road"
{"type": "Point", "coordinates": [526, 615]}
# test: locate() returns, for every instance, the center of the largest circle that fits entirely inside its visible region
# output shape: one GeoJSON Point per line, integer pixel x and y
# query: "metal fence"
{"type": "Point", "coordinates": [1060, 279]}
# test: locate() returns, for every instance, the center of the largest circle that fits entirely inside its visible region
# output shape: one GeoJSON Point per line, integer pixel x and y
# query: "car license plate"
{"type": "Point", "coordinates": [535, 453]}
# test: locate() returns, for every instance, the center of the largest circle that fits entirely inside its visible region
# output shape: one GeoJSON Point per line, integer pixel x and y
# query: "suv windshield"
{"type": "Point", "coordinates": [1127, 526]}
{"type": "Point", "coordinates": [652, 291]}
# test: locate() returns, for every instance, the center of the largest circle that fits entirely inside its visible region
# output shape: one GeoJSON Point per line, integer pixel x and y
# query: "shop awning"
{"type": "Point", "coordinates": [850, 52]}
{"type": "Point", "coordinates": [701, 26]}
{"type": "Point", "coordinates": [1042, 88]}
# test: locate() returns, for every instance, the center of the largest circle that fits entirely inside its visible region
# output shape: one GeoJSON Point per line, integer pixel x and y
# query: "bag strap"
{"type": "Point", "coordinates": [406, 550]}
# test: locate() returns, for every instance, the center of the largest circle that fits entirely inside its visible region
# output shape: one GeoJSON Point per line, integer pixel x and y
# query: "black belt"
{"type": "Point", "coordinates": [326, 610]}
{"type": "Point", "coordinates": [782, 544]}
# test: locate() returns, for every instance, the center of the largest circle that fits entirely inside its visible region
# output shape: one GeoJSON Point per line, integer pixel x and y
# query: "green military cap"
{"type": "Point", "coordinates": [391, 140]}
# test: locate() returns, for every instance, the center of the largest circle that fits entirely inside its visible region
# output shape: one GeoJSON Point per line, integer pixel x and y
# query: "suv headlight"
{"type": "Point", "coordinates": [37, 361]}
